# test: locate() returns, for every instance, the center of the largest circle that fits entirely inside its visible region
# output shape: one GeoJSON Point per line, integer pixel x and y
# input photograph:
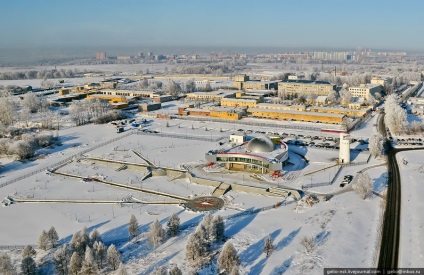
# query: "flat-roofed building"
{"type": "Point", "coordinates": [150, 106]}
{"type": "Point", "coordinates": [269, 106]}
{"type": "Point", "coordinates": [214, 96]}
{"type": "Point", "coordinates": [381, 80]}
{"type": "Point", "coordinates": [341, 111]}
{"type": "Point", "coordinates": [127, 93]}
{"type": "Point", "coordinates": [291, 87]}
{"type": "Point", "coordinates": [296, 116]}
{"type": "Point", "coordinates": [234, 102]}
{"type": "Point", "coordinates": [366, 90]}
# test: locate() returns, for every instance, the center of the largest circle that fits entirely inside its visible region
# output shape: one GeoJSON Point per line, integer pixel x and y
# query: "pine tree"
{"type": "Point", "coordinates": [28, 251]}
{"type": "Point", "coordinates": [207, 223]}
{"type": "Point", "coordinates": [269, 246]}
{"type": "Point", "coordinates": [100, 253]}
{"type": "Point", "coordinates": [122, 270]}
{"type": "Point", "coordinates": [43, 240]}
{"type": "Point", "coordinates": [173, 225]}
{"type": "Point", "coordinates": [85, 238]}
{"type": "Point", "coordinates": [217, 229]}
{"type": "Point", "coordinates": [53, 236]}
{"type": "Point", "coordinates": [6, 265]}
{"type": "Point", "coordinates": [75, 264]}
{"type": "Point", "coordinates": [228, 259]}
{"type": "Point", "coordinates": [175, 271]}
{"type": "Point", "coordinates": [61, 260]}
{"type": "Point", "coordinates": [113, 257]}
{"type": "Point", "coordinates": [133, 227]}
{"type": "Point", "coordinates": [28, 266]}
{"type": "Point", "coordinates": [88, 266]}
{"type": "Point", "coordinates": [156, 234]}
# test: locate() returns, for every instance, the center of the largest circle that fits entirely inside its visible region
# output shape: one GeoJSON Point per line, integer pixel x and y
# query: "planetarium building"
{"type": "Point", "coordinates": [259, 155]}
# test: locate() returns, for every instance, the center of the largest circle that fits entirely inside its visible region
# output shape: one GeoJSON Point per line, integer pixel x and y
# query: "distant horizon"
{"type": "Point", "coordinates": [306, 24]}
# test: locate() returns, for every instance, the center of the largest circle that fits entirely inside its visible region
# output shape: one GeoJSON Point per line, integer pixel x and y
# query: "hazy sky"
{"type": "Point", "coordinates": [380, 24]}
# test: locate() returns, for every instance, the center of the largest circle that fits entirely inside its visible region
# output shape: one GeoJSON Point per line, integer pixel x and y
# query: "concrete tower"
{"type": "Point", "coordinates": [344, 154]}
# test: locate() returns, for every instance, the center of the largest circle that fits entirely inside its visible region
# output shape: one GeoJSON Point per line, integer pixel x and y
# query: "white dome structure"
{"type": "Point", "coordinates": [260, 144]}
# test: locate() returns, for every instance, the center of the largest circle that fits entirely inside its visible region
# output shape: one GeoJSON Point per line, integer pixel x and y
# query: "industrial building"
{"type": "Point", "coordinates": [243, 82]}
{"type": "Point", "coordinates": [296, 116]}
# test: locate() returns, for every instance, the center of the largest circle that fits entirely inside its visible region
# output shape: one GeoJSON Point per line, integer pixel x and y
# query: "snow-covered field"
{"type": "Point", "coordinates": [412, 222]}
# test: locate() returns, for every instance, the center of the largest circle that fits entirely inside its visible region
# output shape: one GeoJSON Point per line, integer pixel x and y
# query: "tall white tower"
{"type": "Point", "coordinates": [344, 154]}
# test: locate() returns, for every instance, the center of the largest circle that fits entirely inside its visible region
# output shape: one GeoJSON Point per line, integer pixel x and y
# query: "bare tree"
{"type": "Point", "coordinates": [31, 102]}
{"type": "Point", "coordinates": [173, 88]}
{"type": "Point", "coordinates": [269, 246]}
{"type": "Point", "coordinates": [376, 144]}
{"type": "Point", "coordinates": [175, 271]}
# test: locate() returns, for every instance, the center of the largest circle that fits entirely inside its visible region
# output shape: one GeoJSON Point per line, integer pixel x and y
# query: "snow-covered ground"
{"type": "Point", "coordinates": [412, 222]}
{"type": "Point", "coordinates": [345, 225]}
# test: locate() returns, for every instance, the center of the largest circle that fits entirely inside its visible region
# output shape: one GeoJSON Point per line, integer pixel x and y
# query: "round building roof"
{"type": "Point", "coordinates": [260, 144]}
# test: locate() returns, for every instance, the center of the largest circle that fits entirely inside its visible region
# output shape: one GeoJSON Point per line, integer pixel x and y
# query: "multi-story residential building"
{"type": "Point", "coordinates": [101, 55]}
{"type": "Point", "coordinates": [214, 96]}
{"type": "Point", "coordinates": [366, 90]}
{"type": "Point", "coordinates": [291, 87]}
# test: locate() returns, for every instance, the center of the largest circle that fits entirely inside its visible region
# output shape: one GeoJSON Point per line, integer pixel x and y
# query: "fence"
{"type": "Point", "coordinates": [251, 123]}
{"type": "Point", "coordinates": [182, 136]}
{"type": "Point", "coordinates": [318, 184]}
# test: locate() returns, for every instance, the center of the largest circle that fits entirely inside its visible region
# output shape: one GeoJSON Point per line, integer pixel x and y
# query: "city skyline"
{"type": "Point", "coordinates": [279, 24]}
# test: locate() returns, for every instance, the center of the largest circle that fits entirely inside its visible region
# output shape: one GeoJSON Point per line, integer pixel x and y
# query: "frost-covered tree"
{"type": "Point", "coordinates": [122, 270]}
{"type": "Point", "coordinates": [345, 96]}
{"type": "Point", "coordinates": [23, 149]}
{"type": "Point", "coordinates": [159, 271]}
{"type": "Point", "coordinates": [197, 248]}
{"type": "Point", "coordinates": [99, 253]}
{"type": "Point", "coordinates": [43, 240]}
{"type": "Point", "coordinates": [31, 102]}
{"type": "Point", "coordinates": [89, 267]}
{"type": "Point", "coordinates": [268, 246]}
{"type": "Point", "coordinates": [28, 266]}
{"type": "Point", "coordinates": [7, 110]}
{"type": "Point", "coordinates": [133, 227]}
{"type": "Point", "coordinates": [173, 225]}
{"type": "Point", "coordinates": [376, 144]}
{"type": "Point", "coordinates": [190, 86]}
{"type": "Point", "coordinates": [217, 228]}
{"type": "Point", "coordinates": [362, 185]}
{"type": "Point", "coordinates": [333, 97]}
{"type": "Point", "coordinates": [75, 264]}
{"type": "Point", "coordinates": [235, 271]}
{"type": "Point", "coordinates": [228, 259]}
{"type": "Point", "coordinates": [308, 243]}
{"type": "Point", "coordinates": [173, 88]}
{"type": "Point", "coordinates": [28, 251]}
{"type": "Point", "coordinates": [113, 257]}
{"type": "Point", "coordinates": [6, 265]}
{"type": "Point", "coordinates": [61, 260]}
{"type": "Point", "coordinates": [53, 237]}
{"type": "Point", "coordinates": [95, 237]}
{"type": "Point", "coordinates": [175, 271]}
{"type": "Point", "coordinates": [156, 234]}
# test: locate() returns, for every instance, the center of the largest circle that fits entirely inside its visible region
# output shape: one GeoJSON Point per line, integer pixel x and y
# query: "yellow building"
{"type": "Point", "coordinates": [381, 80]}
{"type": "Point", "coordinates": [281, 107]}
{"type": "Point", "coordinates": [296, 116]}
{"type": "Point", "coordinates": [64, 91]}
{"type": "Point", "coordinates": [291, 87]}
{"type": "Point", "coordinates": [354, 112]}
{"type": "Point", "coordinates": [110, 98]}
{"type": "Point", "coordinates": [226, 113]}
{"type": "Point", "coordinates": [233, 102]}
{"type": "Point", "coordinates": [243, 82]}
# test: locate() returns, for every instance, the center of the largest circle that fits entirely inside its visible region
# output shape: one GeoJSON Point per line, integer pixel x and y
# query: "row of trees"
{"type": "Point", "coordinates": [395, 116]}
{"type": "Point", "coordinates": [43, 74]}
{"type": "Point", "coordinates": [93, 110]}
{"type": "Point", "coordinates": [25, 146]}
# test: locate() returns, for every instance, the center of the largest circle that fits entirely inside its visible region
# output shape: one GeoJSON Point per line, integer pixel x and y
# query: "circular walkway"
{"type": "Point", "coordinates": [205, 203]}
